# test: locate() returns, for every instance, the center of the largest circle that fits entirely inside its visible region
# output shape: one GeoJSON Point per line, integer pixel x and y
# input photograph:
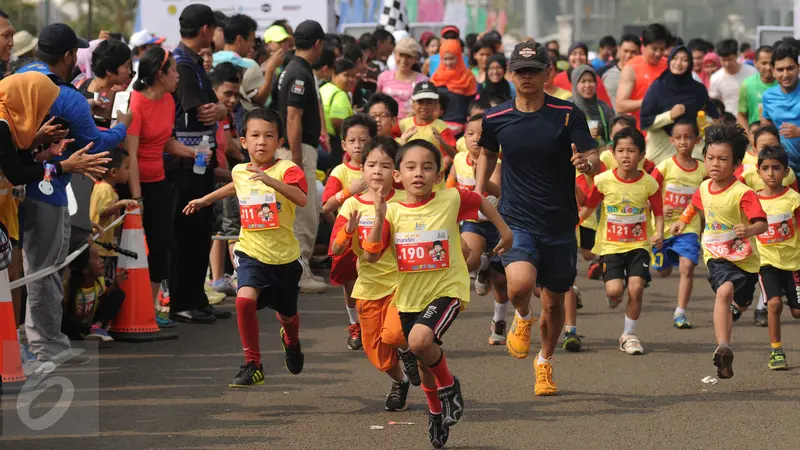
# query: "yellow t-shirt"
{"type": "Point", "coordinates": [750, 159]}
{"type": "Point", "coordinates": [103, 196]}
{"type": "Point", "coordinates": [677, 186]}
{"type": "Point", "coordinates": [461, 144]}
{"type": "Point", "coordinates": [9, 208]}
{"type": "Point", "coordinates": [779, 246]}
{"type": "Point", "coordinates": [624, 223]}
{"type": "Point", "coordinates": [465, 171]}
{"type": "Point", "coordinates": [723, 210]}
{"type": "Point", "coordinates": [427, 244]}
{"type": "Point", "coordinates": [267, 216]}
{"type": "Point", "coordinates": [424, 131]}
{"type": "Point", "coordinates": [753, 179]}
{"type": "Point", "coordinates": [379, 279]}
{"type": "Point", "coordinates": [591, 221]}
{"type": "Point", "coordinates": [344, 174]}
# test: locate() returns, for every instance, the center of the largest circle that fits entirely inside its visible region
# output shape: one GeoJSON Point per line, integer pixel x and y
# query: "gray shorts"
{"type": "Point", "coordinates": [226, 216]}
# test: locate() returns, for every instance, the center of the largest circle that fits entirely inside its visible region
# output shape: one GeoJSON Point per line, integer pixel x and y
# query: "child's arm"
{"type": "Point", "coordinates": [374, 244]}
{"type": "Point", "coordinates": [333, 201]}
{"type": "Point", "coordinates": [758, 218]}
{"type": "Point", "coordinates": [506, 236]}
{"type": "Point", "coordinates": [451, 179]}
{"type": "Point", "coordinates": [656, 205]}
{"type": "Point", "coordinates": [112, 209]}
{"type": "Point", "coordinates": [292, 193]}
{"type": "Point", "coordinates": [345, 227]}
{"type": "Point", "coordinates": [197, 204]}
{"type": "Point", "coordinates": [688, 214]}
{"type": "Point", "coordinates": [406, 136]}
{"type": "Point", "coordinates": [594, 198]}
{"type": "Point", "coordinates": [447, 141]}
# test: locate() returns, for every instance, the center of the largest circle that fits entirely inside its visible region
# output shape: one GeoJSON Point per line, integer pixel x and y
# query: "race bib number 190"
{"type": "Point", "coordinates": [259, 211]}
{"type": "Point", "coordinates": [422, 251]}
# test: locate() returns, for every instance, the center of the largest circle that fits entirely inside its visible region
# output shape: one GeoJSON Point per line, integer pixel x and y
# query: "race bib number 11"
{"type": "Point", "coordinates": [259, 211]}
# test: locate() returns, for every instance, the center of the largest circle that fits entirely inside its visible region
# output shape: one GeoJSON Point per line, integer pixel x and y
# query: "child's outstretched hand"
{"type": "Point", "coordinates": [412, 130]}
{"type": "Point", "coordinates": [195, 205]}
{"type": "Point", "coordinates": [380, 205]}
{"type": "Point", "coordinates": [352, 222]}
{"type": "Point", "coordinates": [260, 175]}
{"type": "Point", "coordinates": [506, 241]}
{"type": "Point", "coordinates": [741, 230]}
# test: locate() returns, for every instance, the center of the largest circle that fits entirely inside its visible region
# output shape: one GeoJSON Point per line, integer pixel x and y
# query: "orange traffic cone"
{"type": "Point", "coordinates": [136, 320]}
{"type": "Point", "coordinates": [10, 361]}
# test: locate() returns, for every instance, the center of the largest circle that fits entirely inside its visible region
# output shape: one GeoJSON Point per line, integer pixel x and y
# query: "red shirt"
{"type": "Point", "coordinates": [645, 75]}
{"type": "Point", "coordinates": [563, 82]}
{"type": "Point", "coordinates": [154, 123]}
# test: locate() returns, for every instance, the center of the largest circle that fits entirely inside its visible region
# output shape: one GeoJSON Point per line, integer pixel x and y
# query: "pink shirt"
{"type": "Point", "coordinates": [399, 90]}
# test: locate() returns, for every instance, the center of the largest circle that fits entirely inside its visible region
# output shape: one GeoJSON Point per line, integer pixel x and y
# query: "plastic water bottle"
{"type": "Point", "coordinates": [202, 150]}
{"type": "Point", "coordinates": [702, 122]}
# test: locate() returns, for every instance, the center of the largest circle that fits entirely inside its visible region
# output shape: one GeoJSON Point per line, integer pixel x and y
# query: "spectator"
{"type": "Point", "coordinates": [6, 42]}
{"type": "Point", "coordinates": [456, 83]}
{"type": "Point", "coordinates": [400, 83]}
{"type": "Point", "coordinates": [383, 43]}
{"type": "Point", "coordinates": [584, 95]}
{"type": "Point", "coordinates": [432, 63]}
{"type": "Point", "coordinates": [610, 74]}
{"type": "Point", "coordinates": [606, 51]}
{"type": "Point", "coordinates": [430, 46]}
{"type": "Point", "coordinates": [197, 112]}
{"type": "Point", "coordinates": [219, 33]}
{"type": "Point", "coordinates": [139, 43]}
{"type": "Point", "coordinates": [674, 94]}
{"type": "Point", "coordinates": [699, 48]}
{"type": "Point", "coordinates": [554, 49]}
{"type": "Point", "coordinates": [711, 64]}
{"type": "Point", "coordinates": [726, 82]}
{"type": "Point", "coordinates": [496, 85]}
{"type": "Point", "coordinates": [298, 106]}
{"type": "Point", "coordinates": [550, 87]}
{"type": "Point", "coordinates": [782, 102]}
{"type": "Point", "coordinates": [323, 67]}
{"type": "Point", "coordinates": [24, 45]}
{"type": "Point", "coordinates": [478, 56]}
{"type": "Point", "coordinates": [578, 56]}
{"type": "Point", "coordinates": [642, 70]}
{"type": "Point", "coordinates": [336, 103]}
{"type": "Point", "coordinates": [398, 36]}
{"type": "Point", "coordinates": [112, 67]}
{"type": "Point", "coordinates": [753, 88]}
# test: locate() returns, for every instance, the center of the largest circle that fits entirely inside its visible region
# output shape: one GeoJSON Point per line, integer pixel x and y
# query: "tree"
{"type": "Point", "coordinates": [112, 15]}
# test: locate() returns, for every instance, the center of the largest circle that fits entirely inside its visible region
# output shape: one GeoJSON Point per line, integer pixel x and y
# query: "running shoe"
{"type": "Point", "coordinates": [735, 313]}
{"type": "Point", "coordinates": [223, 285]}
{"type": "Point", "coordinates": [482, 278]}
{"type": "Point", "coordinates": [630, 344]}
{"type": "Point", "coordinates": [163, 298]}
{"type": "Point", "coordinates": [777, 360]}
{"type": "Point", "coordinates": [163, 320]}
{"type": "Point", "coordinates": [437, 432]}
{"type": "Point", "coordinates": [595, 269]}
{"type": "Point", "coordinates": [98, 334]}
{"type": "Point", "coordinates": [723, 361]}
{"type": "Point", "coordinates": [294, 356]}
{"type": "Point", "coordinates": [249, 374]}
{"type": "Point", "coordinates": [613, 303]}
{"type": "Point", "coordinates": [681, 322]}
{"type": "Point", "coordinates": [761, 317]}
{"type": "Point", "coordinates": [410, 365]}
{"type": "Point", "coordinates": [519, 338]}
{"type": "Point", "coordinates": [214, 297]}
{"type": "Point", "coordinates": [578, 296]}
{"type": "Point", "coordinates": [498, 336]}
{"type": "Point", "coordinates": [452, 403]}
{"type": "Point", "coordinates": [396, 400]}
{"type": "Point", "coordinates": [354, 337]}
{"type": "Point", "coordinates": [572, 342]}
{"type": "Point", "coordinates": [545, 385]}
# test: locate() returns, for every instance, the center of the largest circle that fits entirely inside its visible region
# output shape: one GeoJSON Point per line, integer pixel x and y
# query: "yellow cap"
{"type": "Point", "coordinates": [275, 33]}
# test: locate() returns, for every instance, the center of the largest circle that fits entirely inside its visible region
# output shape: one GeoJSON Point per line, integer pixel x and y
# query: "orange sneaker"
{"type": "Point", "coordinates": [544, 378]}
{"type": "Point", "coordinates": [519, 337]}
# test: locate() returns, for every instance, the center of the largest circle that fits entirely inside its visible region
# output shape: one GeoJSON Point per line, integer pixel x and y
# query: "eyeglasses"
{"type": "Point", "coordinates": [381, 116]}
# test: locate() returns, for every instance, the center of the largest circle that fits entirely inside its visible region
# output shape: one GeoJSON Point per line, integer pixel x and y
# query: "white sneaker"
{"type": "Point", "coordinates": [482, 277]}
{"type": "Point", "coordinates": [308, 283]}
{"type": "Point", "coordinates": [630, 344]}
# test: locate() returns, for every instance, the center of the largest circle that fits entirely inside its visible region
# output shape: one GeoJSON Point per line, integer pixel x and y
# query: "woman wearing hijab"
{"type": "Point", "coordinates": [711, 64]}
{"type": "Point", "coordinates": [578, 56]}
{"type": "Point", "coordinates": [672, 95]}
{"type": "Point", "coordinates": [496, 86]}
{"type": "Point", "coordinates": [584, 95]}
{"type": "Point", "coordinates": [456, 83]}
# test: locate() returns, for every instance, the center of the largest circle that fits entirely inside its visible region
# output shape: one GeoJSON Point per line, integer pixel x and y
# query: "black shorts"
{"type": "Point", "coordinates": [720, 271]}
{"type": "Point", "coordinates": [438, 316]}
{"type": "Point", "coordinates": [621, 266]}
{"type": "Point", "coordinates": [587, 236]}
{"type": "Point", "coordinates": [278, 284]}
{"type": "Point", "coordinates": [778, 283]}
{"type": "Point", "coordinates": [554, 257]}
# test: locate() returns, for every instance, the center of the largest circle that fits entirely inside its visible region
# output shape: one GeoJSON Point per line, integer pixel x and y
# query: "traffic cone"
{"type": "Point", "coordinates": [10, 361]}
{"type": "Point", "coordinates": [136, 320]}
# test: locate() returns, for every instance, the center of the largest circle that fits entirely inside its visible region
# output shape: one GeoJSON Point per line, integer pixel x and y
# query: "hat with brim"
{"type": "Point", "coordinates": [529, 55]}
{"type": "Point", "coordinates": [425, 96]}
{"type": "Point", "coordinates": [275, 33]}
{"type": "Point", "coordinates": [24, 42]}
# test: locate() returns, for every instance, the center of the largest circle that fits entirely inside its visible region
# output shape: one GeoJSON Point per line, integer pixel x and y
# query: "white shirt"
{"type": "Point", "coordinates": [725, 87]}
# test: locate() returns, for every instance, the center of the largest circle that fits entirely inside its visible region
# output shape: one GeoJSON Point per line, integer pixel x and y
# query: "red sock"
{"type": "Point", "coordinates": [442, 374]}
{"type": "Point", "coordinates": [248, 328]}
{"type": "Point", "coordinates": [434, 404]}
{"type": "Point", "coordinates": [291, 328]}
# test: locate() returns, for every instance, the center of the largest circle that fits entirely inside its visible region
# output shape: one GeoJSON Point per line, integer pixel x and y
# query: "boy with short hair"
{"type": "Point", "coordinates": [383, 109]}
{"type": "Point", "coordinates": [733, 217]}
{"type": "Point", "coordinates": [607, 157]}
{"type": "Point", "coordinates": [424, 124]}
{"type": "Point", "coordinates": [747, 173]}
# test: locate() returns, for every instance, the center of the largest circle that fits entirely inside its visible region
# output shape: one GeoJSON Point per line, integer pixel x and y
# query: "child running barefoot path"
{"type": "Point", "coordinates": [433, 282]}
{"type": "Point", "coordinates": [269, 190]}
{"type": "Point", "coordinates": [733, 216]}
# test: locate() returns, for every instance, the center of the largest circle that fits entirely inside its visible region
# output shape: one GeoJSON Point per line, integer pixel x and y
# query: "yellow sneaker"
{"type": "Point", "coordinates": [519, 337]}
{"type": "Point", "coordinates": [544, 378]}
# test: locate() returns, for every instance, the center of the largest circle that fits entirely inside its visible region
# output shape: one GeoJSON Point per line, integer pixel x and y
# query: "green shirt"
{"type": "Point", "coordinates": [750, 97]}
{"type": "Point", "coordinates": [335, 104]}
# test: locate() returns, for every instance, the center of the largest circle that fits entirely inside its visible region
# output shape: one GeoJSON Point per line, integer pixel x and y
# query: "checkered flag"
{"type": "Point", "coordinates": [394, 16]}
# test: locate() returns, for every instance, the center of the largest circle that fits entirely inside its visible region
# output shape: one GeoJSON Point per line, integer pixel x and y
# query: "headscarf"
{"type": "Point", "coordinates": [458, 80]}
{"type": "Point", "coordinates": [84, 58]}
{"type": "Point", "coordinates": [710, 57]}
{"type": "Point", "coordinates": [669, 90]}
{"type": "Point", "coordinates": [25, 99]}
{"type": "Point", "coordinates": [593, 108]}
{"type": "Point", "coordinates": [502, 88]}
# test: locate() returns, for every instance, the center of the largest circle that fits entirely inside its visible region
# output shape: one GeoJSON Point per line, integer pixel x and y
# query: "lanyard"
{"type": "Point", "coordinates": [603, 123]}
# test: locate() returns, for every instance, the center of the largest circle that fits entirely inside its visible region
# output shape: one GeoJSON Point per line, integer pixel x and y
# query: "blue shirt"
{"type": "Point", "coordinates": [434, 63]}
{"type": "Point", "coordinates": [538, 179]}
{"type": "Point", "coordinates": [72, 106]}
{"type": "Point", "coordinates": [233, 58]}
{"type": "Point", "coordinates": [780, 108]}
{"type": "Point", "coordinates": [598, 63]}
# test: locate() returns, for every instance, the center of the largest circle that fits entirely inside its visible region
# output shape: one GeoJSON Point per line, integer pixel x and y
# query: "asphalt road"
{"type": "Point", "coordinates": [174, 394]}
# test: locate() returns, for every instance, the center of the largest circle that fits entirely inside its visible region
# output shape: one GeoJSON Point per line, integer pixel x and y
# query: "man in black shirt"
{"type": "Point", "coordinates": [197, 114]}
{"type": "Point", "coordinates": [298, 106]}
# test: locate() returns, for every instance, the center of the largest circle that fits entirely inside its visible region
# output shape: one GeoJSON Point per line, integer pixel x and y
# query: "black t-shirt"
{"type": "Point", "coordinates": [296, 88]}
{"type": "Point", "coordinates": [457, 106]}
{"type": "Point", "coordinates": [538, 179]}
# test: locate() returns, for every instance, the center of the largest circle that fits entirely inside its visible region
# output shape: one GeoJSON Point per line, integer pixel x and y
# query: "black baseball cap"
{"type": "Point", "coordinates": [529, 55]}
{"type": "Point", "coordinates": [425, 90]}
{"type": "Point", "coordinates": [196, 16]}
{"type": "Point", "coordinates": [58, 38]}
{"type": "Point", "coordinates": [307, 34]}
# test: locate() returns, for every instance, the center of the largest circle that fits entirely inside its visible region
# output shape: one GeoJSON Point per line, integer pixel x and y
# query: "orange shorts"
{"type": "Point", "coordinates": [381, 332]}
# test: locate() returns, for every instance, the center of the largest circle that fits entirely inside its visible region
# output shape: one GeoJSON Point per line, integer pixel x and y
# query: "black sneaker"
{"type": "Point", "coordinates": [249, 374]}
{"type": "Point", "coordinates": [437, 431]}
{"type": "Point", "coordinates": [410, 365]}
{"type": "Point", "coordinates": [761, 317]}
{"type": "Point", "coordinates": [735, 313]}
{"type": "Point", "coordinates": [452, 403]}
{"type": "Point", "coordinates": [723, 361]}
{"type": "Point", "coordinates": [396, 400]}
{"type": "Point", "coordinates": [294, 357]}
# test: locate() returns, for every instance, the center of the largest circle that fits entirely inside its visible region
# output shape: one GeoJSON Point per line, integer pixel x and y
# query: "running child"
{"type": "Point", "coordinates": [733, 217]}
{"type": "Point", "coordinates": [375, 287]}
{"type": "Point", "coordinates": [778, 247]}
{"type": "Point", "coordinates": [424, 124]}
{"type": "Point", "coordinates": [430, 293]}
{"type": "Point", "coordinates": [267, 254]}
{"type": "Point", "coordinates": [607, 157]}
{"type": "Point", "coordinates": [679, 178]}
{"type": "Point", "coordinates": [345, 181]}
{"type": "Point", "coordinates": [625, 232]}
{"type": "Point", "coordinates": [476, 107]}
{"type": "Point", "coordinates": [383, 109]}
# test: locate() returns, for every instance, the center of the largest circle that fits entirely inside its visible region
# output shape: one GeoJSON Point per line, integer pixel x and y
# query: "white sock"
{"type": "Point", "coordinates": [630, 326]}
{"type": "Point", "coordinates": [352, 313]}
{"type": "Point", "coordinates": [500, 310]}
{"type": "Point", "coordinates": [541, 360]}
{"type": "Point", "coordinates": [679, 311]}
{"type": "Point", "coordinates": [762, 302]}
{"type": "Point", "coordinates": [526, 316]}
